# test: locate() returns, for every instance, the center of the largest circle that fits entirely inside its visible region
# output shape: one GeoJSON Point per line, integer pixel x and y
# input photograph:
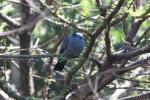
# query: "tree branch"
{"type": "Point", "coordinates": [27, 56]}
{"type": "Point", "coordinates": [131, 54]}
{"type": "Point", "coordinates": [106, 77]}
{"type": "Point", "coordinates": [107, 21]}
{"type": "Point", "coordinates": [9, 21]}
{"type": "Point", "coordinates": [145, 96]}
{"type": "Point", "coordinates": [114, 12]}
{"type": "Point", "coordinates": [7, 89]}
{"type": "Point", "coordinates": [94, 36]}
{"type": "Point", "coordinates": [119, 19]}
{"type": "Point", "coordinates": [27, 26]}
{"type": "Point", "coordinates": [107, 43]}
{"type": "Point", "coordinates": [25, 43]}
{"type": "Point", "coordinates": [136, 23]}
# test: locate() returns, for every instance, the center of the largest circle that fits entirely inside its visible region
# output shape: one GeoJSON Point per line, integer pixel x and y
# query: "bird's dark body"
{"type": "Point", "coordinates": [71, 47]}
{"type": "Point", "coordinates": [60, 64]}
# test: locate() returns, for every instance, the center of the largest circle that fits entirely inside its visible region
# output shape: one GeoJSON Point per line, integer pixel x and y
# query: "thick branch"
{"type": "Point", "coordinates": [131, 54]}
{"type": "Point", "coordinates": [7, 89]}
{"type": "Point", "coordinates": [103, 81]}
{"type": "Point", "coordinates": [145, 96]}
{"type": "Point", "coordinates": [134, 29]}
{"type": "Point", "coordinates": [102, 9]}
{"type": "Point", "coordinates": [137, 22]}
{"type": "Point", "coordinates": [25, 40]}
{"type": "Point", "coordinates": [108, 43]}
{"type": "Point", "coordinates": [94, 36]}
{"type": "Point", "coordinates": [9, 21]}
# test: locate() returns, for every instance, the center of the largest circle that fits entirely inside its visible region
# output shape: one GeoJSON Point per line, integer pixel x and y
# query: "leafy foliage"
{"type": "Point", "coordinates": [84, 16]}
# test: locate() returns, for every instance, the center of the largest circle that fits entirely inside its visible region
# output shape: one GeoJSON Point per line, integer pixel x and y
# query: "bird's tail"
{"type": "Point", "coordinates": [60, 64]}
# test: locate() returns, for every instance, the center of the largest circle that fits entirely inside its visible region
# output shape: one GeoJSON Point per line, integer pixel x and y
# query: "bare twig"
{"type": "Point", "coordinates": [27, 26]}
{"type": "Point", "coordinates": [107, 21]}
{"type": "Point", "coordinates": [132, 88]}
{"type": "Point", "coordinates": [114, 12]}
{"type": "Point", "coordinates": [71, 24]}
{"type": "Point", "coordinates": [131, 80]}
{"type": "Point", "coordinates": [27, 56]}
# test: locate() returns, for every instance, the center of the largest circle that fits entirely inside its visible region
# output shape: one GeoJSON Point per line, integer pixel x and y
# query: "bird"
{"type": "Point", "coordinates": [71, 47]}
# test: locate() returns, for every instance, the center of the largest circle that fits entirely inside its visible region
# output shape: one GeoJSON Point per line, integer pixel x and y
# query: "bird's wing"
{"type": "Point", "coordinates": [64, 44]}
{"type": "Point", "coordinates": [74, 47]}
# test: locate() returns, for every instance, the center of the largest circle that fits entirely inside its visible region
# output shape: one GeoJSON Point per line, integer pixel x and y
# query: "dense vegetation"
{"type": "Point", "coordinates": [113, 65]}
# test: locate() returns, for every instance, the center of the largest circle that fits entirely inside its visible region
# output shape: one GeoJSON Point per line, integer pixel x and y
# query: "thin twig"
{"type": "Point", "coordinates": [21, 29]}
{"type": "Point", "coordinates": [27, 56]}
{"type": "Point", "coordinates": [132, 88]}
{"type": "Point", "coordinates": [131, 80]}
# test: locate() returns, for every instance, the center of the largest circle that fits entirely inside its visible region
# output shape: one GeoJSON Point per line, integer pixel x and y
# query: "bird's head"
{"type": "Point", "coordinates": [80, 35]}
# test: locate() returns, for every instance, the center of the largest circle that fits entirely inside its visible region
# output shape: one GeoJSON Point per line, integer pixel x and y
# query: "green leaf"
{"type": "Point", "coordinates": [87, 6]}
{"type": "Point", "coordinates": [49, 81]}
{"type": "Point", "coordinates": [1, 1]}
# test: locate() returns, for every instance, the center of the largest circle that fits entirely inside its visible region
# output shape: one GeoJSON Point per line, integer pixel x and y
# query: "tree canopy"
{"type": "Point", "coordinates": [113, 65]}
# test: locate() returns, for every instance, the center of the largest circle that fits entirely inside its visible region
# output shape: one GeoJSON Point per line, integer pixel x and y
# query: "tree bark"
{"type": "Point", "coordinates": [25, 69]}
